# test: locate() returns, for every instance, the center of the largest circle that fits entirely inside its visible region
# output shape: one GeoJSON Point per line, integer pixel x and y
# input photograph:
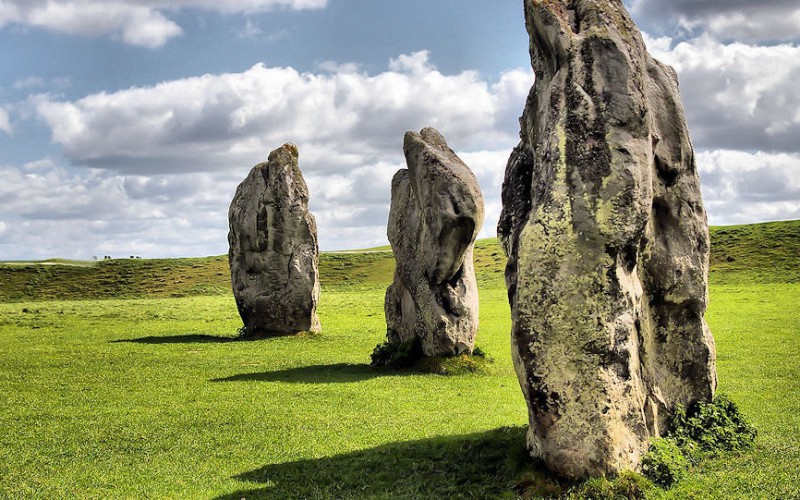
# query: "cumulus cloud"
{"type": "Point", "coordinates": [49, 210]}
{"type": "Point", "coordinates": [153, 169]}
{"type": "Point", "coordinates": [740, 187]}
{"type": "Point", "coordinates": [340, 120]}
{"type": "Point", "coordinates": [135, 22]}
{"type": "Point", "coordinates": [737, 96]}
{"type": "Point", "coordinates": [743, 20]}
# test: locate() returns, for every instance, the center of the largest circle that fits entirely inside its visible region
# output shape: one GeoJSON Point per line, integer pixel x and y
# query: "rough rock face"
{"type": "Point", "coordinates": [436, 213]}
{"type": "Point", "coordinates": [607, 240]}
{"type": "Point", "coordinates": [273, 249]}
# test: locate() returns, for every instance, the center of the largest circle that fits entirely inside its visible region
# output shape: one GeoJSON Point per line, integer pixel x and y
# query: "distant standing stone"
{"type": "Point", "coordinates": [436, 214]}
{"type": "Point", "coordinates": [273, 252]}
{"type": "Point", "coordinates": [605, 230]}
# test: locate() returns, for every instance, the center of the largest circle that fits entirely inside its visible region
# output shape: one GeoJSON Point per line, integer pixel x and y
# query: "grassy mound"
{"type": "Point", "coordinates": [757, 253]}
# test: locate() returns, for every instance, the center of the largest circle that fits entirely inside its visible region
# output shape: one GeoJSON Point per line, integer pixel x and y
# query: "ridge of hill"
{"type": "Point", "coordinates": [753, 253]}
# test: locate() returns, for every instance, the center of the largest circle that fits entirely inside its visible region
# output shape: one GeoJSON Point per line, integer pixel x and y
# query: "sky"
{"type": "Point", "coordinates": [125, 126]}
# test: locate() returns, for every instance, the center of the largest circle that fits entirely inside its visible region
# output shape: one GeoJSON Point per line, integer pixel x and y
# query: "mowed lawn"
{"type": "Point", "coordinates": [153, 397]}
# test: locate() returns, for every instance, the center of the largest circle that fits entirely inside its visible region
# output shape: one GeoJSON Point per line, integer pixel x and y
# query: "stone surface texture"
{"type": "Point", "coordinates": [436, 213]}
{"type": "Point", "coordinates": [607, 240]}
{"type": "Point", "coordinates": [273, 252]}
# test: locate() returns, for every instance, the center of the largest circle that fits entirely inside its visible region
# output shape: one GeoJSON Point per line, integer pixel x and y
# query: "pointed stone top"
{"type": "Point", "coordinates": [285, 152]}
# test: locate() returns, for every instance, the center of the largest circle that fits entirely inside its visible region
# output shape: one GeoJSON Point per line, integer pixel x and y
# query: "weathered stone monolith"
{"type": "Point", "coordinates": [436, 214]}
{"type": "Point", "coordinates": [273, 252]}
{"type": "Point", "coordinates": [607, 240]}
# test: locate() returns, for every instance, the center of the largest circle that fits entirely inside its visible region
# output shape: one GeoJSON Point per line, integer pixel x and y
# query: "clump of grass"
{"type": "Point", "coordinates": [664, 463]}
{"type": "Point", "coordinates": [477, 362]}
{"type": "Point", "coordinates": [701, 430]}
{"type": "Point", "coordinates": [409, 355]}
{"type": "Point", "coordinates": [537, 483]}
{"type": "Point", "coordinates": [712, 427]}
{"type": "Point", "coordinates": [243, 334]}
{"type": "Point", "coordinates": [397, 354]}
{"type": "Point", "coordinates": [627, 485]}
{"type": "Point", "coordinates": [697, 431]}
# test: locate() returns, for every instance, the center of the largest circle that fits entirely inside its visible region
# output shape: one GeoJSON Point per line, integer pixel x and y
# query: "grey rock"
{"type": "Point", "coordinates": [273, 252]}
{"type": "Point", "coordinates": [436, 214]}
{"type": "Point", "coordinates": [607, 243]}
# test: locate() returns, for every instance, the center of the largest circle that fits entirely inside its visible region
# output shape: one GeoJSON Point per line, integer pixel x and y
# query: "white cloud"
{"type": "Point", "coordinates": [737, 96]}
{"type": "Point", "coordinates": [29, 82]}
{"type": "Point", "coordinates": [340, 120]}
{"type": "Point", "coordinates": [249, 30]}
{"type": "Point", "coordinates": [740, 187]}
{"type": "Point", "coordinates": [36, 165]}
{"type": "Point", "coordinates": [489, 167]}
{"type": "Point", "coordinates": [742, 20]}
{"type": "Point", "coordinates": [154, 168]}
{"type": "Point", "coordinates": [5, 122]}
{"type": "Point", "coordinates": [143, 156]}
{"type": "Point", "coordinates": [141, 23]}
{"type": "Point", "coordinates": [51, 211]}
{"type": "Point", "coordinates": [35, 82]}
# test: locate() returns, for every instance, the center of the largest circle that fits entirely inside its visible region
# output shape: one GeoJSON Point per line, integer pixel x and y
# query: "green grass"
{"type": "Point", "coordinates": [152, 397]}
{"type": "Point", "coordinates": [757, 253]}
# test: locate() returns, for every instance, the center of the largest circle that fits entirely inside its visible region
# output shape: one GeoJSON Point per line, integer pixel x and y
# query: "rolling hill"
{"type": "Point", "coordinates": [753, 253]}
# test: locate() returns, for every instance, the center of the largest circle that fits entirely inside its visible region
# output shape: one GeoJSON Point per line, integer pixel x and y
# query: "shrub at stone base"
{"type": "Point", "coordinates": [664, 463]}
{"type": "Point", "coordinates": [409, 355]}
{"type": "Point", "coordinates": [713, 427]}
{"type": "Point", "coordinates": [701, 429]}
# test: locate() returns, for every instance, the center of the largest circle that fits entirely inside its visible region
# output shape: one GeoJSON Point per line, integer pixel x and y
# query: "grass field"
{"type": "Point", "coordinates": [149, 395]}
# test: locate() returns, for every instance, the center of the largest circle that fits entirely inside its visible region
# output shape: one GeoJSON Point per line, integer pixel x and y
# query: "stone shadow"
{"type": "Point", "coordinates": [193, 338]}
{"type": "Point", "coordinates": [338, 373]}
{"type": "Point", "coordinates": [480, 465]}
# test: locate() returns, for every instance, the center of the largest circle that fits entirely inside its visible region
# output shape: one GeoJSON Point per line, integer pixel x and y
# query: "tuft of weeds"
{"type": "Point", "coordinates": [477, 362]}
{"type": "Point", "coordinates": [712, 427]}
{"type": "Point", "coordinates": [397, 354]}
{"type": "Point", "coordinates": [409, 355]}
{"type": "Point", "coordinates": [664, 463]}
{"type": "Point", "coordinates": [627, 485]}
{"type": "Point", "coordinates": [701, 430]}
{"type": "Point", "coordinates": [537, 483]}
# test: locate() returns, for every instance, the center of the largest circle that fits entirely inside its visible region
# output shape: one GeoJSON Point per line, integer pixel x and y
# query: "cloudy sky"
{"type": "Point", "coordinates": [125, 125]}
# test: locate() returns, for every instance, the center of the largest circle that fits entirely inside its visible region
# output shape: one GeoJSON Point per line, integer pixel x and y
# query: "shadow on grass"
{"type": "Point", "coordinates": [481, 465]}
{"type": "Point", "coordinates": [180, 339]}
{"type": "Point", "coordinates": [338, 373]}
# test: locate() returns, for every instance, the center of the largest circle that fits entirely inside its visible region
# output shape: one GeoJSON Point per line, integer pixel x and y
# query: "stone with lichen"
{"type": "Point", "coordinates": [273, 252]}
{"type": "Point", "coordinates": [436, 214]}
{"type": "Point", "coordinates": [607, 243]}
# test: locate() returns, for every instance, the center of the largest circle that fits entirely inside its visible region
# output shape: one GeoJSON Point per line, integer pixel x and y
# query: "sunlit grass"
{"type": "Point", "coordinates": [154, 397]}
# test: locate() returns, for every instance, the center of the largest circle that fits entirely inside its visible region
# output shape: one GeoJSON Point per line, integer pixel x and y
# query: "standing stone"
{"type": "Point", "coordinates": [273, 249]}
{"type": "Point", "coordinates": [435, 216]}
{"type": "Point", "coordinates": [606, 235]}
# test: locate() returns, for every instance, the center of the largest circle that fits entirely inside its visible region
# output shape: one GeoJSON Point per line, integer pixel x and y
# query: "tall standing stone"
{"type": "Point", "coordinates": [273, 252]}
{"type": "Point", "coordinates": [606, 235]}
{"type": "Point", "coordinates": [436, 214]}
